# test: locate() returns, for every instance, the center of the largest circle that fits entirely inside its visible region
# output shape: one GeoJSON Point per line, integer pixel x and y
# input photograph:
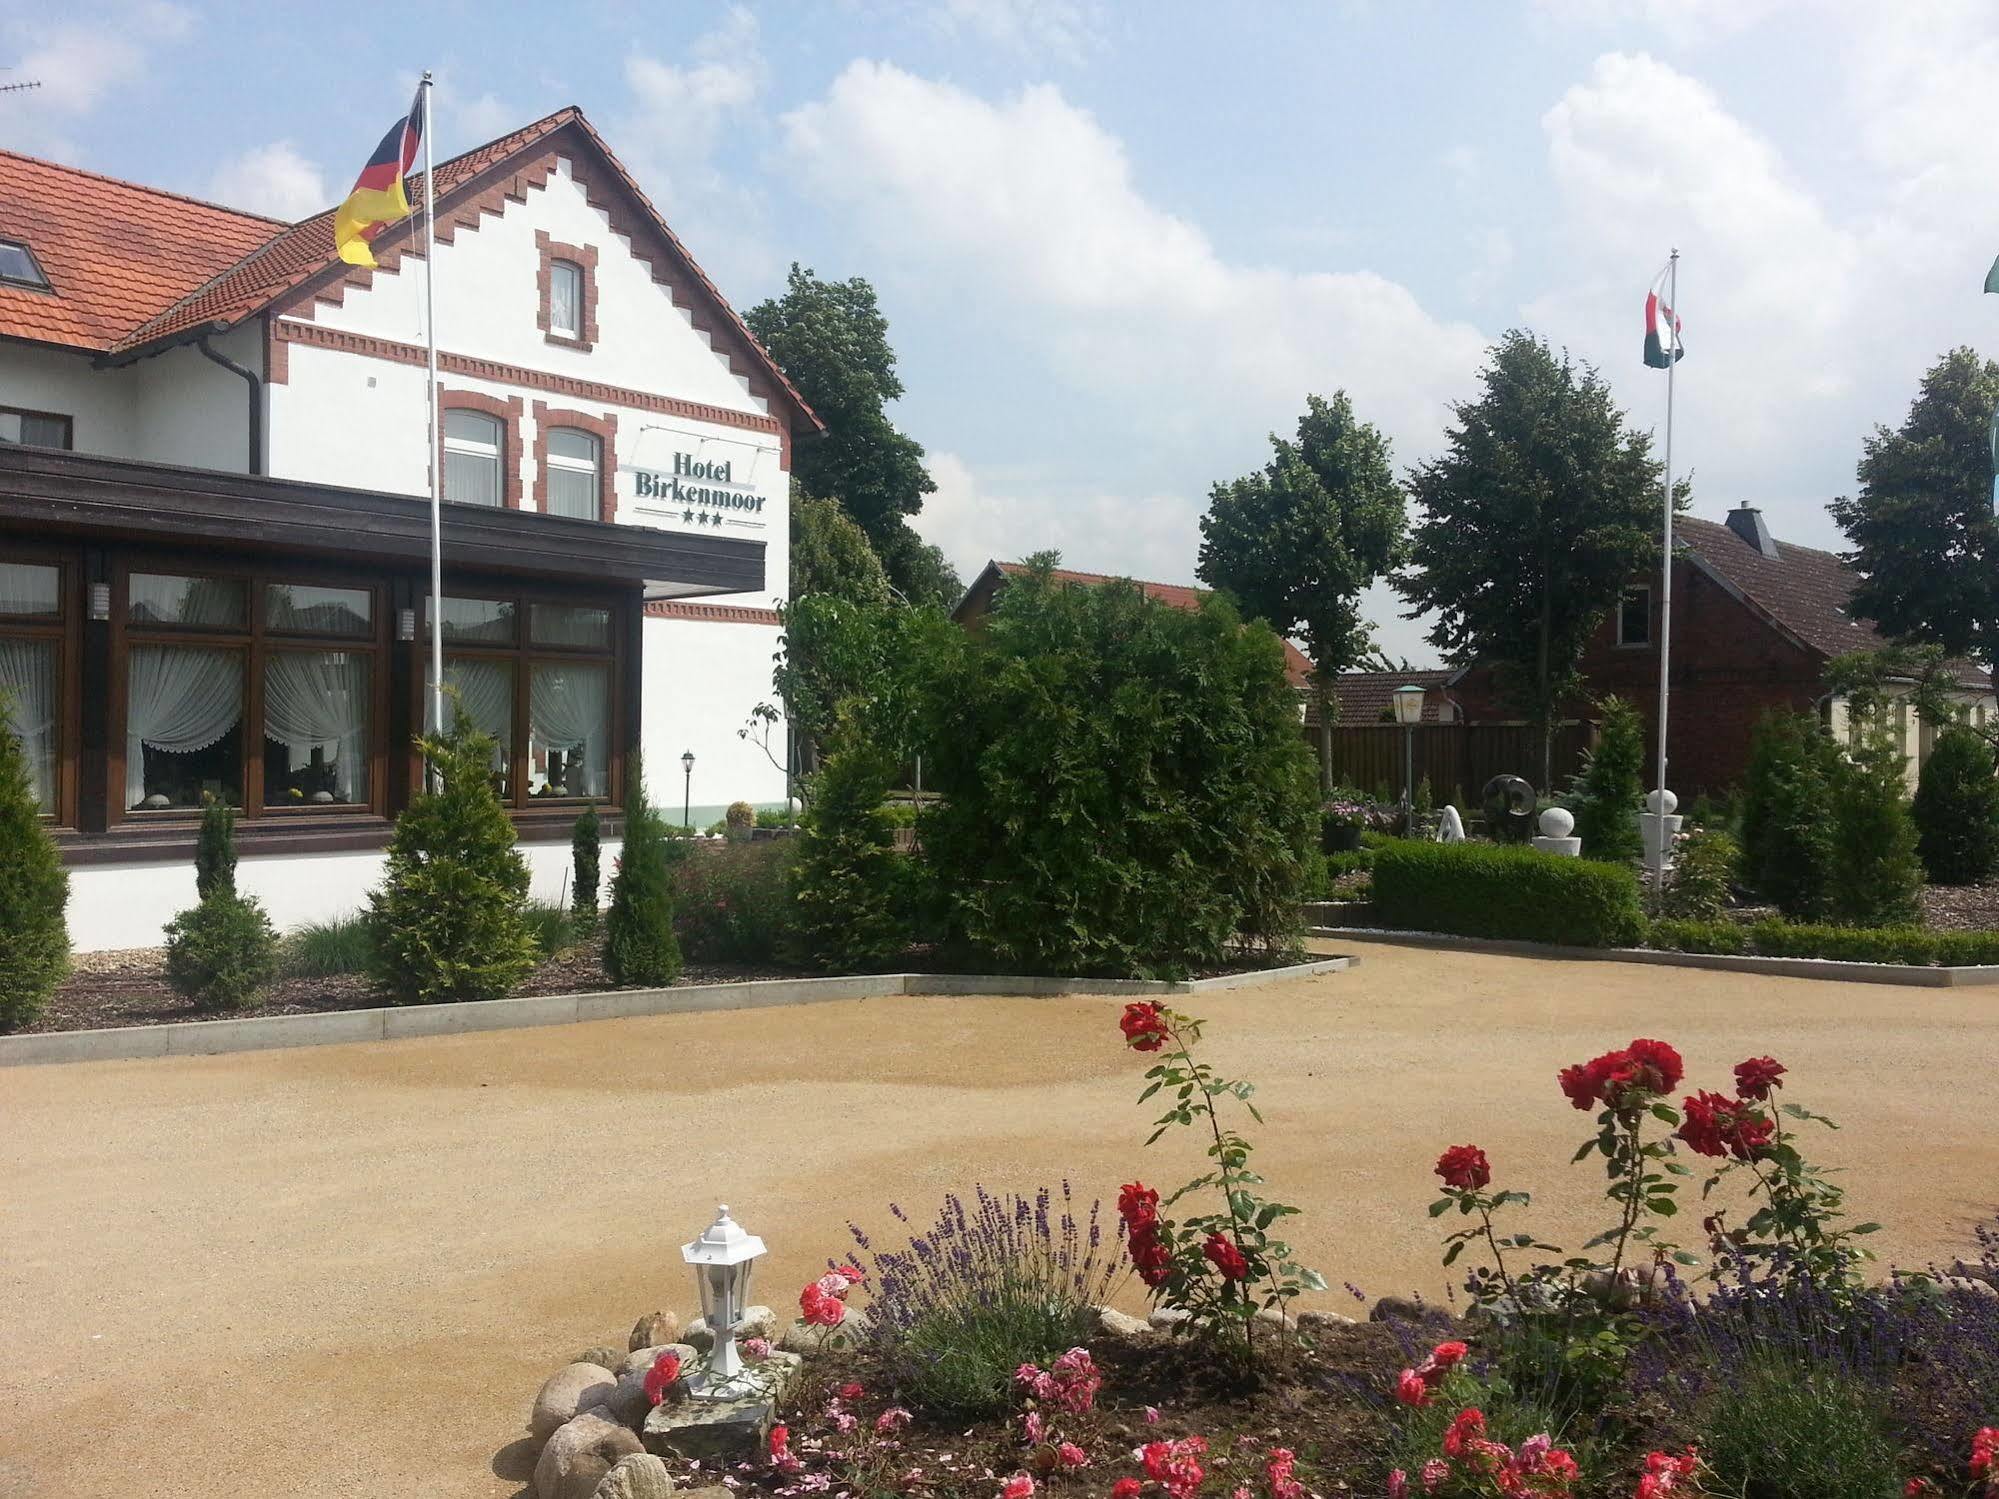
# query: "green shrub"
{"type": "Point", "coordinates": [1787, 815]}
{"type": "Point", "coordinates": [735, 904]}
{"type": "Point", "coordinates": [324, 949]}
{"type": "Point", "coordinates": [552, 927]}
{"type": "Point", "coordinates": [1704, 865]}
{"type": "Point", "coordinates": [1484, 890]}
{"type": "Point", "coordinates": [851, 882]}
{"type": "Point", "coordinates": [215, 850]}
{"type": "Point", "coordinates": [1966, 949]}
{"type": "Point", "coordinates": [1849, 944]}
{"type": "Point", "coordinates": [1338, 866]}
{"type": "Point", "coordinates": [738, 819]}
{"type": "Point", "coordinates": [639, 945]}
{"type": "Point", "coordinates": [222, 952]}
{"type": "Point", "coordinates": [585, 857]}
{"type": "Point", "coordinates": [1124, 790]}
{"type": "Point", "coordinates": [448, 922]}
{"type": "Point", "coordinates": [34, 893]}
{"type": "Point", "coordinates": [1681, 935]}
{"type": "Point", "coordinates": [1875, 877]}
{"type": "Point", "coordinates": [776, 817]}
{"type": "Point", "coordinates": [1606, 796]}
{"type": "Point", "coordinates": [1781, 1431]}
{"type": "Point", "coordinates": [1956, 810]}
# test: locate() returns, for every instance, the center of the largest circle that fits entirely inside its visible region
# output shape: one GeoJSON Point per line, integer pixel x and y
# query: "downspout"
{"type": "Point", "coordinates": [256, 384]}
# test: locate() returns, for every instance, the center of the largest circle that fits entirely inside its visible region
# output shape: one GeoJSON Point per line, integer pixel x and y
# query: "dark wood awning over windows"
{"type": "Point", "coordinates": [48, 494]}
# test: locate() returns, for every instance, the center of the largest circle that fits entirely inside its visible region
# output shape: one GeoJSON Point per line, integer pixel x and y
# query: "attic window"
{"type": "Point", "coordinates": [18, 266]}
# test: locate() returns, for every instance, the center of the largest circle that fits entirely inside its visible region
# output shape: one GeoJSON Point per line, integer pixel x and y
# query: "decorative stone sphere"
{"type": "Point", "coordinates": [1557, 822]}
{"type": "Point", "coordinates": [1653, 798]}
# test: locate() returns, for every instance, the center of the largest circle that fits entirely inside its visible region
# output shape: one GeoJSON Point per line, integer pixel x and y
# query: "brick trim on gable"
{"type": "Point", "coordinates": [719, 614]}
{"type": "Point", "coordinates": [584, 258]}
{"type": "Point", "coordinates": [508, 414]}
{"type": "Point", "coordinates": [604, 429]}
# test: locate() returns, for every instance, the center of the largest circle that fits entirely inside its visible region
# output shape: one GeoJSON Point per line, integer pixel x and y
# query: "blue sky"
{"type": "Point", "coordinates": [1119, 243]}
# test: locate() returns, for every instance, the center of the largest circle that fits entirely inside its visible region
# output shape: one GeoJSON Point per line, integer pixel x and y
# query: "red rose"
{"type": "Point", "coordinates": [1126, 1488]}
{"type": "Point", "coordinates": [1581, 1085]}
{"type": "Point", "coordinates": [1412, 1388]}
{"type": "Point", "coordinates": [1467, 1428]}
{"type": "Point", "coordinates": [1656, 1066]}
{"type": "Point", "coordinates": [1145, 1026]}
{"type": "Point", "coordinates": [1464, 1167]}
{"type": "Point", "coordinates": [1137, 1203]}
{"type": "Point", "coordinates": [1757, 1076]}
{"type": "Point", "coordinates": [1151, 1259]}
{"type": "Point", "coordinates": [1226, 1257]}
{"type": "Point", "coordinates": [1717, 1125]}
{"type": "Point", "coordinates": [661, 1377]}
{"type": "Point", "coordinates": [819, 1309]}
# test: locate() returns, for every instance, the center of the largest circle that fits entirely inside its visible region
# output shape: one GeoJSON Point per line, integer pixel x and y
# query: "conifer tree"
{"type": "Point", "coordinates": [215, 850]}
{"type": "Point", "coordinates": [584, 856]}
{"type": "Point", "coordinates": [639, 943]}
{"type": "Point", "coordinates": [34, 893]}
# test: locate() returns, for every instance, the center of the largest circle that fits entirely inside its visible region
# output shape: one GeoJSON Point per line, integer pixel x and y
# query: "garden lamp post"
{"type": "Point", "coordinates": [722, 1257]}
{"type": "Point", "coordinates": [687, 791]}
{"type": "Point", "coordinates": [1408, 713]}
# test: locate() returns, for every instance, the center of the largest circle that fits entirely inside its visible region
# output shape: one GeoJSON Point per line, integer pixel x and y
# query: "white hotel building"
{"type": "Point", "coordinates": [214, 539]}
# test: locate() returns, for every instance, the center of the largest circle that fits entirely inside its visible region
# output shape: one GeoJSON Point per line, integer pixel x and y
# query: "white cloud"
{"type": "Point", "coordinates": [1684, 22]}
{"type": "Point", "coordinates": [1065, 30]}
{"type": "Point", "coordinates": [476, 121]}
{"type": "Point", "coordinates": [273, 180]}
{"type": "Point", "coordinates": [79, 64]}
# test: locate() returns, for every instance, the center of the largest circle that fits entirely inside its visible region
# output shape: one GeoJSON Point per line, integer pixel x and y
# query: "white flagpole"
{"type": "Point", "coordinates": [436, 446]}
{"type": "Point", "coordinates": [1666, 561]}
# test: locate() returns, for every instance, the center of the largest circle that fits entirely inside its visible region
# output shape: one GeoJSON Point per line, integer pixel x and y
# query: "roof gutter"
{"type": "Point", "coordinates": [256, 383]}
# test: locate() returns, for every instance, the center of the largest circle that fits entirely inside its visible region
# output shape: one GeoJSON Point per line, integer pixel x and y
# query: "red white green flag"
{"type": "Point", "coordinates": [1662, 325]}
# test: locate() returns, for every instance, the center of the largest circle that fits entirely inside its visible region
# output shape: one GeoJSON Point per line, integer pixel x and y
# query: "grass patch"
{"type": "Point", "coordinates": [1787, 1431]}
{"type": "Point", "coordinates": [554, 928]}
{"type": "Point", "coordinates": [326, 949]}
{"type": "Point", "coordinates": [963, 1360]}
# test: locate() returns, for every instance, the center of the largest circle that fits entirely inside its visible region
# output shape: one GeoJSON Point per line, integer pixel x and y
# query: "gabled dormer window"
{"type": "Point", "coordinates": [18, 266]}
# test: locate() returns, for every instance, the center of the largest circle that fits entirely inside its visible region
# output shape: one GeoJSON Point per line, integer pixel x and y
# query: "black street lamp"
{"type": "Point", "coordinates": [686, 789]}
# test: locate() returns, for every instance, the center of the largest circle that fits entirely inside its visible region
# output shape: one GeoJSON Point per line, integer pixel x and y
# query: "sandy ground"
{"type": "Point", "coordinates": [344, 1270]}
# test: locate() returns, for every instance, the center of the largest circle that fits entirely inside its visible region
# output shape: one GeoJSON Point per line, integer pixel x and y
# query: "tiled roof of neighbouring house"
{"type": "Point", "coordinates": [1368, 697]}
{"type": "Point", "coordinates": [1297, 668]}
{"type": "Point", "coordinates": [1806, 591]}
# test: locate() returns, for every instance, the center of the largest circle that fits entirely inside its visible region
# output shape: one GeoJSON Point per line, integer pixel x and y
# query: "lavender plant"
{"type": "Point", "coordinates": [992, 1285]}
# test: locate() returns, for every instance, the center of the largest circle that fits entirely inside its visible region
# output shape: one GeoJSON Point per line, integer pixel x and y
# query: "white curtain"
{"type": "Point", "coordinates": [182, 699]}
{"type": "Point", "coordinates": [485, 696]}
{"type": "Point", "coordinates": [318, 700]}
{"type": "Point", "coordinates": [569, 709]}
{"type": "Point", "coordinates": [28, 697]}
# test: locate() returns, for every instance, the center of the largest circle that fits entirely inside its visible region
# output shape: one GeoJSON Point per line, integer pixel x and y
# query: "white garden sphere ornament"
{"type": "Point", "coordinates": [1653, 798]}
{"type": "Point", "coordinates": [722, 1257]}
{"type": "Point", "coordinates": [1557, 822]}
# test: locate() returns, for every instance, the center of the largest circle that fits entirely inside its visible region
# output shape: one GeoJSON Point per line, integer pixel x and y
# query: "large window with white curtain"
{"type": "Point", "coordinates": [252, 691]}
{"type": "Point", "coordinates": [537, 678]}
{"type": "Point", "coordinates": [472, 468]}
{"type": "Point", "coordinates": [34, 608]}
{"type": "Point", "coordinates": [575, 471]}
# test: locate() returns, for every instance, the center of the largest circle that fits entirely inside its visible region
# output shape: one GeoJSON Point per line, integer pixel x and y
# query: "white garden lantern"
{"type": "Point", "coordinates": [1408, 706]}
{"type": "Point", "coordinates": [722, 1258]}
{"type": "Point", "coordinates": [1408, 713]}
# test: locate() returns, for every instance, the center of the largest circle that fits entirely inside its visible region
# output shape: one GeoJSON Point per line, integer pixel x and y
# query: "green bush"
{"type": "Point", "coordinates": [215, 850]}
{"type": "Point", "coordinates": [324, 949]}
{"type": "Point", "coordinates": [1956, 810]}
{"type": "Point", "coordinates": [738, 818]}
{"type": "Point", "coordinates": [1680, 935]}
{"type": "Point", "coordinates": [1484, 890]}
{"type": "Point", "coordinates": [1882, 944]}
{"type": "Point", "coordinates": [1704, 865]}
{"type": "Point", "coordinates": [639, 945]}
{"type": "Point", "coordinates": [1875, 877]}
{"type": "Point", "coordinates": [1787, 815]}
{"type": "Point", "coordinates": [1606, 796]}
{"type": "Point", "coordinates": [1124, 790]}
{"type": "Point", "coordinates": [34, 893]}
{"type": "Point", "coordinates": [851, 883]}
{"type": "Point", "coordinates": [735, 904]}
{"type": "Point", "coordinates": [1781, 1431]}
{"type": "Point", "coordinates": [776, 817]}
{"type": "Point", "coordinates": [449, 920]}
{"type": "Point", "coordinates": [585, 857]}
{"type": "Point", "coordinates": [222, 952]}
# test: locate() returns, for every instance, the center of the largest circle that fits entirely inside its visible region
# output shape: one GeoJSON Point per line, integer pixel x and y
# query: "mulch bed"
{"type": "Point", "coordinates": [130, 988]}
{"type": "Point", "coordinates": [1961, 908]}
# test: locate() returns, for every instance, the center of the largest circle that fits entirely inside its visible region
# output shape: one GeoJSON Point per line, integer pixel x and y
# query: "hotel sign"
{"type": "Point", "coordinates": [701, 493]}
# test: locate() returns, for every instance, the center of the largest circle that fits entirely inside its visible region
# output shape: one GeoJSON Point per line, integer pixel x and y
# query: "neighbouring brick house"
{"type": "Point", "coordinates": [1755, 622]}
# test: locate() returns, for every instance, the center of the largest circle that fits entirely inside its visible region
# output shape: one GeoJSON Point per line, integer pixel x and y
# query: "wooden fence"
{"type": "Point", "coordinates": [1457, 758]}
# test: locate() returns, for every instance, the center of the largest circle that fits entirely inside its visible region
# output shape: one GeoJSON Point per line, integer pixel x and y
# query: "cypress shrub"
{"type": "Point", "coordinates": [1485, 890]}
{"type": "Point", "coordinates": [1704, 864]}
{"type": "Point", "coordinates": [1606, 796]}
{"type": "Point", "coordinates": [215, 850]}
{"type": "Point", "coordinates": [1787, 815]}
{"type": "Point", "coordinates": [1957, 810]}
{"type": "Point", "coordinates": [585, 857]}
{"type": "Point", "coordinates": [848, 871]}
{"type": "Point", "coordinates": [34, 894]}
{"type": "Point", "coordinates": [449, 922]}
{"type": "Point", "coordinates": [222, 952]}
{"type": "Point", "coordinates": [1876, 878]}
{"type": "Point", "coordinates": [639, 944]}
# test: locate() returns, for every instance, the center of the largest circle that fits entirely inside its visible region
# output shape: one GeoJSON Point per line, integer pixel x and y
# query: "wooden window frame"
{"type": "Point", "coordinates": [507, 413]}
{"type": "Point", "coordinates": [584, 258]}
{"type": "Point", "coordinates": [256, 641]}
{"type": "Point", "coordinates": [65, 632]}
{"type": "Point", "coordinates": [1646, 589]}
{"type": "Point", "coordinates": [604, 428]}
{"type": "Point", "coordinates": [68, 423]}
{"type": "Point", "coordinates": [524, 655]}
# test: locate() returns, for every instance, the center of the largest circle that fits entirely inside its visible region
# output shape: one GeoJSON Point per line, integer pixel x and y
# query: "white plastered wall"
{"type": "Point", "coordinates": [701, 681]}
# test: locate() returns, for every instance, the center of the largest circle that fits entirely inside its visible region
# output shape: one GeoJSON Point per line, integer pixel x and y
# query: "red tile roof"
{"type": "Point", "coordinates": [114, 252]}
{"type": "Point", "coordinates": [1297, 668]}
{"type": "Point", "coordinates": [136, 269]}
{"type": "Point", "coordinates": [1368, 697]}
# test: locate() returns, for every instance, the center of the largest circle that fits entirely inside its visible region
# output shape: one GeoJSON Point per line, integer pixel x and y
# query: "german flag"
{"type": "Point", "coordinates": [379, 198]}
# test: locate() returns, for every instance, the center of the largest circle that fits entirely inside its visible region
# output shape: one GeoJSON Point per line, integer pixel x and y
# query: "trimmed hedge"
{"type": "Point", "coordinates": [1846, 944]}
{"type": "Point", "coordinates": [1484, 890]}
